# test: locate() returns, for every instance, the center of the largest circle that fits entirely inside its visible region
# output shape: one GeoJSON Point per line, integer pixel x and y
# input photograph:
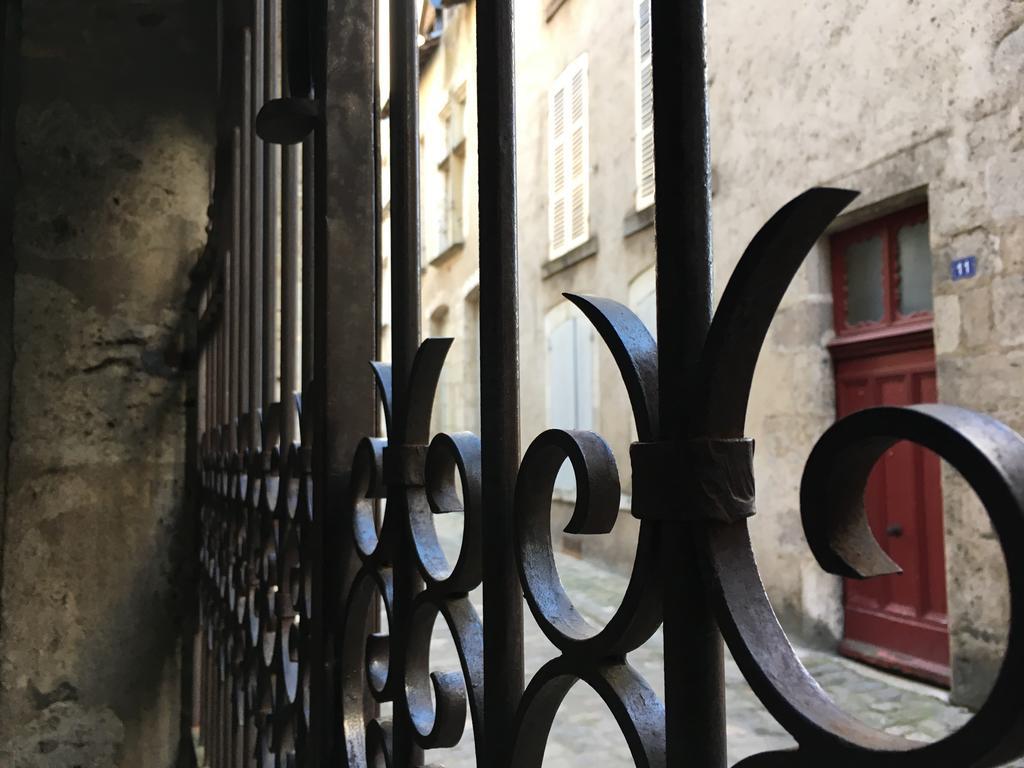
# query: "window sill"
{"type": "Point", "coordinates": [571, 258]}
{"type": "Point", "coordinates": [447, 253]}
{"type": "Point", "coordinates": [638, 221]}
{"type": "Point", "coordinates": [552, 8]}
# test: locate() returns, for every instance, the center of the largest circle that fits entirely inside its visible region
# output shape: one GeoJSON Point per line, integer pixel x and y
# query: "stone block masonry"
{"type": "Point", "coordinates": [113, 144]}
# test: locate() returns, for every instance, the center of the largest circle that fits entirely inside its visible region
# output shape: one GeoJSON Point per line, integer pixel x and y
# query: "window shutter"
{"type": "Point", "coordinates": [644, 108]}
{"type": "Point", "coordinates": [580, 155]}
{"type": "Point", "coordinates": [556, 197]}
{"type": "Point", "coordinates": [569, 198]}
{"type": "Point", "coordinates": [561, 373]}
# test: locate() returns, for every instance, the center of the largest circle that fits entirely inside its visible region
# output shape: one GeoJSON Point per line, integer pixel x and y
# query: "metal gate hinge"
{"type": "Point", "coordinates": [703, 479]}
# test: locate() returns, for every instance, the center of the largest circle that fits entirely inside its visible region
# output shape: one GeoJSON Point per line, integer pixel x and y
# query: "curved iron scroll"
{"type": "Point", "coordinates": [715, 471]}
{"type": "Point", "coordinates": [255, 596]}
{"type": "Point", "coordinates": [418, 478]}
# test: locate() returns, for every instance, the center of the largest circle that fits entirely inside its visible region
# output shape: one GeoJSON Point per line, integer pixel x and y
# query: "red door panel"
{"type": "Point", "coordinates": [899, 621]}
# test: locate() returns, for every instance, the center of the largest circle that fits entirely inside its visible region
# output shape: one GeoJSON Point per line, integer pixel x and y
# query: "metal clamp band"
{"type": "Point", "coordinates": [404, 465]}
{"type": "Point", "coordinates": [700, 479]}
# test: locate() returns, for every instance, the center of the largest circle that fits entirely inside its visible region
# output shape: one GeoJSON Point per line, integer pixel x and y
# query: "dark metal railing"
{"type": "Point", "coordinates": [317, 605]}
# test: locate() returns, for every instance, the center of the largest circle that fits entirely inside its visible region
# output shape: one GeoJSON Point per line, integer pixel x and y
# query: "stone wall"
{"type": "Point", "coordinates": [10, 23]}
{"type": "Point", "coordinates": [114, 137]}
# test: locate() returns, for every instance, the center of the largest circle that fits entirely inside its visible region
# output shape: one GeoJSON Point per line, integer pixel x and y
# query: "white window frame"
{"type": "Point", "coordinates": [585, 395]}
{"type": "Point", "coordinates": [584, 415]}
{"type": "Point", "coordinates": [642, 289]}
{"type": "Point", "coordinates": [452, 167]}
{"type": "Point", "coordinates": [644, 197]}
{"type": "Point", "coordinates": [445, 412]}
{"type": "Point", "coordinates": [562, 243]}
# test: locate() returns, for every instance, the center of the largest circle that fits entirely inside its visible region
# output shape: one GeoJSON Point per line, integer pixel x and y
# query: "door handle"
{"type": "Point", "coordinates": [895, 530]}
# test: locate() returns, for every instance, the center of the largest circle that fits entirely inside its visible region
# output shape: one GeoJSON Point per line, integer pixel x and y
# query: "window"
{"type": "Point", "coordinates": [569, 143]}
{"type": "Point", "coordinates": [570, 379]}
{"type": "Point", "coordinates": [452, 167]}
{"type": "Point", "coordinates": [471, 369]}
{"type": "Point", "coordinates": [643, 299]}
{"type": "Point", "coordinates": [385, 285]}
{"type": "Point", "coordinates": [882, 273]}
{"type": "Point", "coordinates": [444, 416]}
{"type": "Point", "coordinates": [644, 107]}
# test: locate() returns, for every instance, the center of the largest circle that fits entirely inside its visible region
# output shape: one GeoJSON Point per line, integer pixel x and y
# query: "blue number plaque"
{"type": "Point", "coordinates": [962, 269]}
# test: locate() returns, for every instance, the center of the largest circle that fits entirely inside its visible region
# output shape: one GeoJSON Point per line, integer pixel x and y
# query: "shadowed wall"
{"type": "Point", "coordinates": [113, 140]}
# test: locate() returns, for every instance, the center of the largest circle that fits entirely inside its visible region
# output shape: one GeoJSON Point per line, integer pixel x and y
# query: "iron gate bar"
{"type": "Point", "coordinates": [405, 339]}
{"type": "Point", "coordinates": [503, 665]}
{"type": "Point", "coordinates": [347, 204]}
{"type": "Point", "coordinates": [694, 669]}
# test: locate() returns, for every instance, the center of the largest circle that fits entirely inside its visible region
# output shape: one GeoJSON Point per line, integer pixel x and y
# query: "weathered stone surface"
{"type": "Point", "coordinates": [947, 324]}
{"type": "Point", "coordinates": [114, 147]}
{"type": "Point", "coordinates": [1008, 309]}
{"type": "Point", "coordinates": [976, 305]}
{"type": "Point", "coordinates": [66, 735]}
{"type": "Point", "coordinates": [1009, 54]}
{"type": "Point", "coordinates": [1004, 184]}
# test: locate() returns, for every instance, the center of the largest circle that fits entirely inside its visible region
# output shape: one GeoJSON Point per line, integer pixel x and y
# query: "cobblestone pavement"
{"type": "Point", "coordinates": [585, 734]}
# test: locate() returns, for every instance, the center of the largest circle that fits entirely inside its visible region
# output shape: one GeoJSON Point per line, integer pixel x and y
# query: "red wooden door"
{"type": "Point", "coordinates": [899, 621]}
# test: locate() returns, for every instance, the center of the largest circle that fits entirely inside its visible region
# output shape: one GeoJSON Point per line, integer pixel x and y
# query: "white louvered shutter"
{"type": "Point", "coordinates": [579, 156]}
{"type": "Point", "coordinates": [569, 194]}
{"type": "Point", "coordinates": [644, 107]}
{"type": "Point", "coordinates": [556, 196]}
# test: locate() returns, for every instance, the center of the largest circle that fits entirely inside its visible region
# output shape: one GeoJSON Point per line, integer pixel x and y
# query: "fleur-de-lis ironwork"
{"type": "Point", "coordinates": [708, 481]}
{"type": "Point", "coordinates": [418, 479]}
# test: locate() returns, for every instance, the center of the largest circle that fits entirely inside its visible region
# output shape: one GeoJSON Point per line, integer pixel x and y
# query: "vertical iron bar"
{"type": "Point", "coordinates": [207, 731]}
{"type": "Point", "coordinates": [218, 683]}
{"type": "Point", "coordinates": [256, 236]}
{"type": "Point", "coordinates": [223, 733]}
{"type": "Point", "coordinates": [405, 218]}
{"type": "Point", "coordinates": [245, 239]}
{"type": "Point", "coordinates": [222, 347]}
{"type": "Point", "coordinates": [234, 309]}
{"type": "Point", "coordinates": [255, 254]}
{"type": "Point", "coordinates": [499, 374]}
{"type": "Point", "coordinates": [207, 426]}
{"type": "Point", "coordinates": [344, 198]}
{"type": "Point", "coordinates": [694, 675]}
{"type": "Point", "coordinates": [228, 320]}
{"type": "Point", "coordinates": [405, 323]}
{"type": "Point", "coordinates": [308, 261]}
{"type": "Point", "coordinates": [234, 381]}
{"type": "Point", "coordinates": [289, 288]}
{"type": "Point", "coordinates": [207, 401]}
{"type": "Point", "coordinates": [271, 200]}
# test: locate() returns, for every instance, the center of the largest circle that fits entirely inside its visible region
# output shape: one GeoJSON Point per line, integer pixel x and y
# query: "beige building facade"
{"type": "Point", "coordinates": [916, 293]}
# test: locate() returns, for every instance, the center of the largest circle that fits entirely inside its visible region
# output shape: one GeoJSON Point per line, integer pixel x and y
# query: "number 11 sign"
{"type": "Point", "coordinates": [961, 269]}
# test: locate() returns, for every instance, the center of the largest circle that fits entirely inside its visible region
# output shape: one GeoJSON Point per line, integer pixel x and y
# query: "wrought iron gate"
{"type": "Point", "coordinates": [296, 555]}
